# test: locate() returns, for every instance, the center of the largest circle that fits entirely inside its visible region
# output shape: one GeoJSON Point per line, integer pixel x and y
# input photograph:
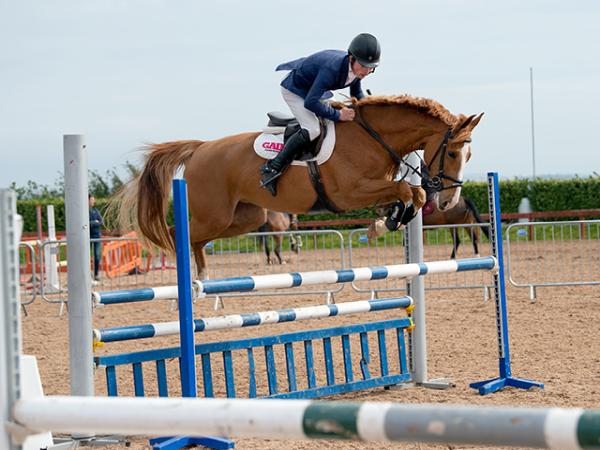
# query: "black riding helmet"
{"type": "Point", "coordinates": [365, 48]}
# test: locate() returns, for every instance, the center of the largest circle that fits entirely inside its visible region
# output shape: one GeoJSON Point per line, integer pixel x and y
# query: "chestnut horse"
{"type": "Point", "coordinates": [224, 180]}
{"type": "Point", "coordinates": [278, 221]}
{"type": "Point", "coordinates": [465, 212]}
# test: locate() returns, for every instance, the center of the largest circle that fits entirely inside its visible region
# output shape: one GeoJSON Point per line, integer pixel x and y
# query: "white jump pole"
{"type": "Point", "coordinates": [78, 243]}
{"type": "Point", "coordinates": [552, 428]}
{"type": "Point", "coordinates": [51, 254]}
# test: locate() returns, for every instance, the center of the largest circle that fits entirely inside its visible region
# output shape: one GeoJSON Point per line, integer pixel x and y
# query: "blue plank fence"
{"type": "Point", "coordinates": [390, 368]}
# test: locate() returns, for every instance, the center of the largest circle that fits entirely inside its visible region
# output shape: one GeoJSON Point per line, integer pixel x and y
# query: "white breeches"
{"type": "Point", "coordinates": [307, 119]}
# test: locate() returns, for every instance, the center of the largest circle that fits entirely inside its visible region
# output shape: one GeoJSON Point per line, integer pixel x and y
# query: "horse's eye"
{"type": "Point", "coordinates": [452, 155]}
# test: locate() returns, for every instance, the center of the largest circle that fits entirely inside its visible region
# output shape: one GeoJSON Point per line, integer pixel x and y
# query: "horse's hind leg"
{"type": "Point", "coordinates": [455, 242]}
{"type": "Point", "coordinates": [264, 240]}
{"type": "Point", "coordinates": [200, 258]}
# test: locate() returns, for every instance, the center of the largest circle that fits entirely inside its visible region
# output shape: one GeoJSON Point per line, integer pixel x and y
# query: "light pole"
{"type": "Point", "coordinates": [532, 122]}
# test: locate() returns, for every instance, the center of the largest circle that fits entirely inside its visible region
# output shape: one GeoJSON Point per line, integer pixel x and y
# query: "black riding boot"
{"type": "Point", "coordinates": [273, 168]}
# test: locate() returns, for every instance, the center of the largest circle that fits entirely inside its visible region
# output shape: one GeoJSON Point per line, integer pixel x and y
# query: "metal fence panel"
{"type": "Point", "coordinates": [28, 273]}
{"type": "Point", "coordinates": [538, 252]}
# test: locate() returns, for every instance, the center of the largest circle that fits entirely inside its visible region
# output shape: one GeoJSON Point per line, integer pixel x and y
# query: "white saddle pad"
{"type": "Point", "coordinates": [268, 144]}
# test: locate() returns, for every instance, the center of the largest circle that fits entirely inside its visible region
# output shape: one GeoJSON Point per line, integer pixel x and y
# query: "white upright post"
{"type": "Point", "coordinates": [51, 254]}
{"type": "Point", "coordinates": [10, 320]}
{"type": "Point", "coordinates": [79, 275]}
{"type": "Point", "coordinates": [416, 286]}
{"type": "Point", "coordinates": [416, 289]}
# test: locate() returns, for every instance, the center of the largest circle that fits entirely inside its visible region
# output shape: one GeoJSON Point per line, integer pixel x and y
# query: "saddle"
{"type": "Point", "coordinates": [288, 125]}
{"type": "Point", "coordinates": [279, 128]}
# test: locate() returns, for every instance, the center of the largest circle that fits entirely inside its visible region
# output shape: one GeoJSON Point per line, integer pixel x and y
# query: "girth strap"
{"type": "Point", "coordinates": [322, 200]}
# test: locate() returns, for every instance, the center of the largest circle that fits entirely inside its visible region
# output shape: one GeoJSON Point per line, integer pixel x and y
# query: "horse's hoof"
{"type": "Point", "coordinates": [376, 229]}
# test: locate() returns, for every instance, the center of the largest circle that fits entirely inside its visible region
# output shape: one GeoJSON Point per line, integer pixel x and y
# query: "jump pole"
{"type": "Point", "coordinates": [553, 428]}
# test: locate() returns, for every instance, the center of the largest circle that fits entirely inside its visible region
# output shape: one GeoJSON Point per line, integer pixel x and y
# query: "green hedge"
{"type": "Point", "coordinates": [544, 195]}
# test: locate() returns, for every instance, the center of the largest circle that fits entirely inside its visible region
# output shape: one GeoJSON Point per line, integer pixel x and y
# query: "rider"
{"type": "Point", "coordinates": [310, 81]}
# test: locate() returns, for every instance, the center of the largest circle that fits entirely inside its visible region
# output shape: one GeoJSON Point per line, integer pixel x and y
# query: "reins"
{"type": "Point", "coordinates": [435, 182]}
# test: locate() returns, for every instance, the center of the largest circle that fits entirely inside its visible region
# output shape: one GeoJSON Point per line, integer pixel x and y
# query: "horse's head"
{"type": "Point", "coordinates": [448, 158]}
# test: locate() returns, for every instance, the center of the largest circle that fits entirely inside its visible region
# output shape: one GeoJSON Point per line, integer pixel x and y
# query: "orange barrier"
{"type": "Point", "coordinates": [121, 257]}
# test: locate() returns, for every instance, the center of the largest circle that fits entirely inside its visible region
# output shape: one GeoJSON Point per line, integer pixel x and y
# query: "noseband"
{"type": "Point", "coordinates": [434, 183]}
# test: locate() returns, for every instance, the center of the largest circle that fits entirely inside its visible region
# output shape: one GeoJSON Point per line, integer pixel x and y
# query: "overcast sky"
{"type": "Point", "coordinates": [126, 73]}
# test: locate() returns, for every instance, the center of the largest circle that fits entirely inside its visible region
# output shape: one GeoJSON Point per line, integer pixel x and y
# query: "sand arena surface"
{"type": "Point", "coordinates": [555, 340]}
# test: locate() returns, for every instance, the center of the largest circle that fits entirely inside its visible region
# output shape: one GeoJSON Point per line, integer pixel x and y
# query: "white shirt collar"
{"type": "Point", "coordinates": [351, 75]}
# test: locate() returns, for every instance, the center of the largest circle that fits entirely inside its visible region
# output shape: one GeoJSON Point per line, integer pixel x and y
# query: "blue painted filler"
{"type": "Point", "coordinates": [333, 310]}
{"type": "Point", "coordinates": [386, 303]}
{"type": "Point", "coordinates": [126, 296]}
{"type": "Point", "coordinates": [423, 269]}
{"type": "Point", "coordinates": [379, 273]}
{"type": "Point", "coordinates": [287, 315]}
{"type": "Point", "coordinates": [251, 319]}
{"type": "Point", "coordinates": [345, 275]}
{"type": "Point", "coordinates": [240, 284]}
{"type": "Point", "coordinates": [296, 279]}
{"type": "Point", "coordinates": [127, 333]}
{"type": "Point", "coordinates": [476, 263]}
{"type": "Point", "coordinates": [199, 325]}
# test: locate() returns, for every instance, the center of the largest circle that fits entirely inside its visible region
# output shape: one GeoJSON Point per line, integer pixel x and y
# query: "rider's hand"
{"type": "Point", "coordinates": [346, 114]}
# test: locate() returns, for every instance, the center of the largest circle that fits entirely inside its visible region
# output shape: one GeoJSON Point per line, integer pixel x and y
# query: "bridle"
{"type": "Point", "coordinates": [434, 183]}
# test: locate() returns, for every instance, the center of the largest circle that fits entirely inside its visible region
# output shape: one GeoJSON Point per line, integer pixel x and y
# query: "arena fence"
{"type": "Point", "coordinates": [538, 252]}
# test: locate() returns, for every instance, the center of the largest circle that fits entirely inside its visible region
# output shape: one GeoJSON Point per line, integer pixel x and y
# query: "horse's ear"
{"type": "Point", "coordinates": [467, 122]}
{"type": "Point", "coordinates": [475, 121]}
{"type": "Point", "coordinates": [463, 123]}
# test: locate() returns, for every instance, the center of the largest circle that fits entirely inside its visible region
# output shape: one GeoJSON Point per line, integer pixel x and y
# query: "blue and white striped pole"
{"type": "Point", "coordinates": [252, 319]}
{"type": "Point", "coordinates": [294, 279]}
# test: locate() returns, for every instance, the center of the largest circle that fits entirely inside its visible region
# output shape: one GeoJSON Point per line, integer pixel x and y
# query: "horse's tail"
{"type": "Point", "coordinates": [473, 209]}
{"type": "Point", "coordinates": [144, 201]}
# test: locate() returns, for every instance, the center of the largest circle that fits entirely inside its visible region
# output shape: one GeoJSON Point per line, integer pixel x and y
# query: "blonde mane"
{"type": "Point", "coordinates": [420, 104]}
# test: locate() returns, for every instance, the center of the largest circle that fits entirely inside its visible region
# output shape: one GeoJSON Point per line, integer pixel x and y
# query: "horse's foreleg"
{"type": "Point", "coordinates": [419, 197]}
{"type": "Point", "coordinates": [475, 233]}
{"type": "Point", "coordinates": [382, 192]}
{"type": "Point", "coordinates": [277, 248]}
{"type": "Point", "coordinates": [455, 243]}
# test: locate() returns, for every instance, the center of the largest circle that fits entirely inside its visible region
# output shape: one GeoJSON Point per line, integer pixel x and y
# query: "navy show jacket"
{"type": "Point", "coordinates": [314, 77]}
{"type": "Point", "coordinates": [96, 222]}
